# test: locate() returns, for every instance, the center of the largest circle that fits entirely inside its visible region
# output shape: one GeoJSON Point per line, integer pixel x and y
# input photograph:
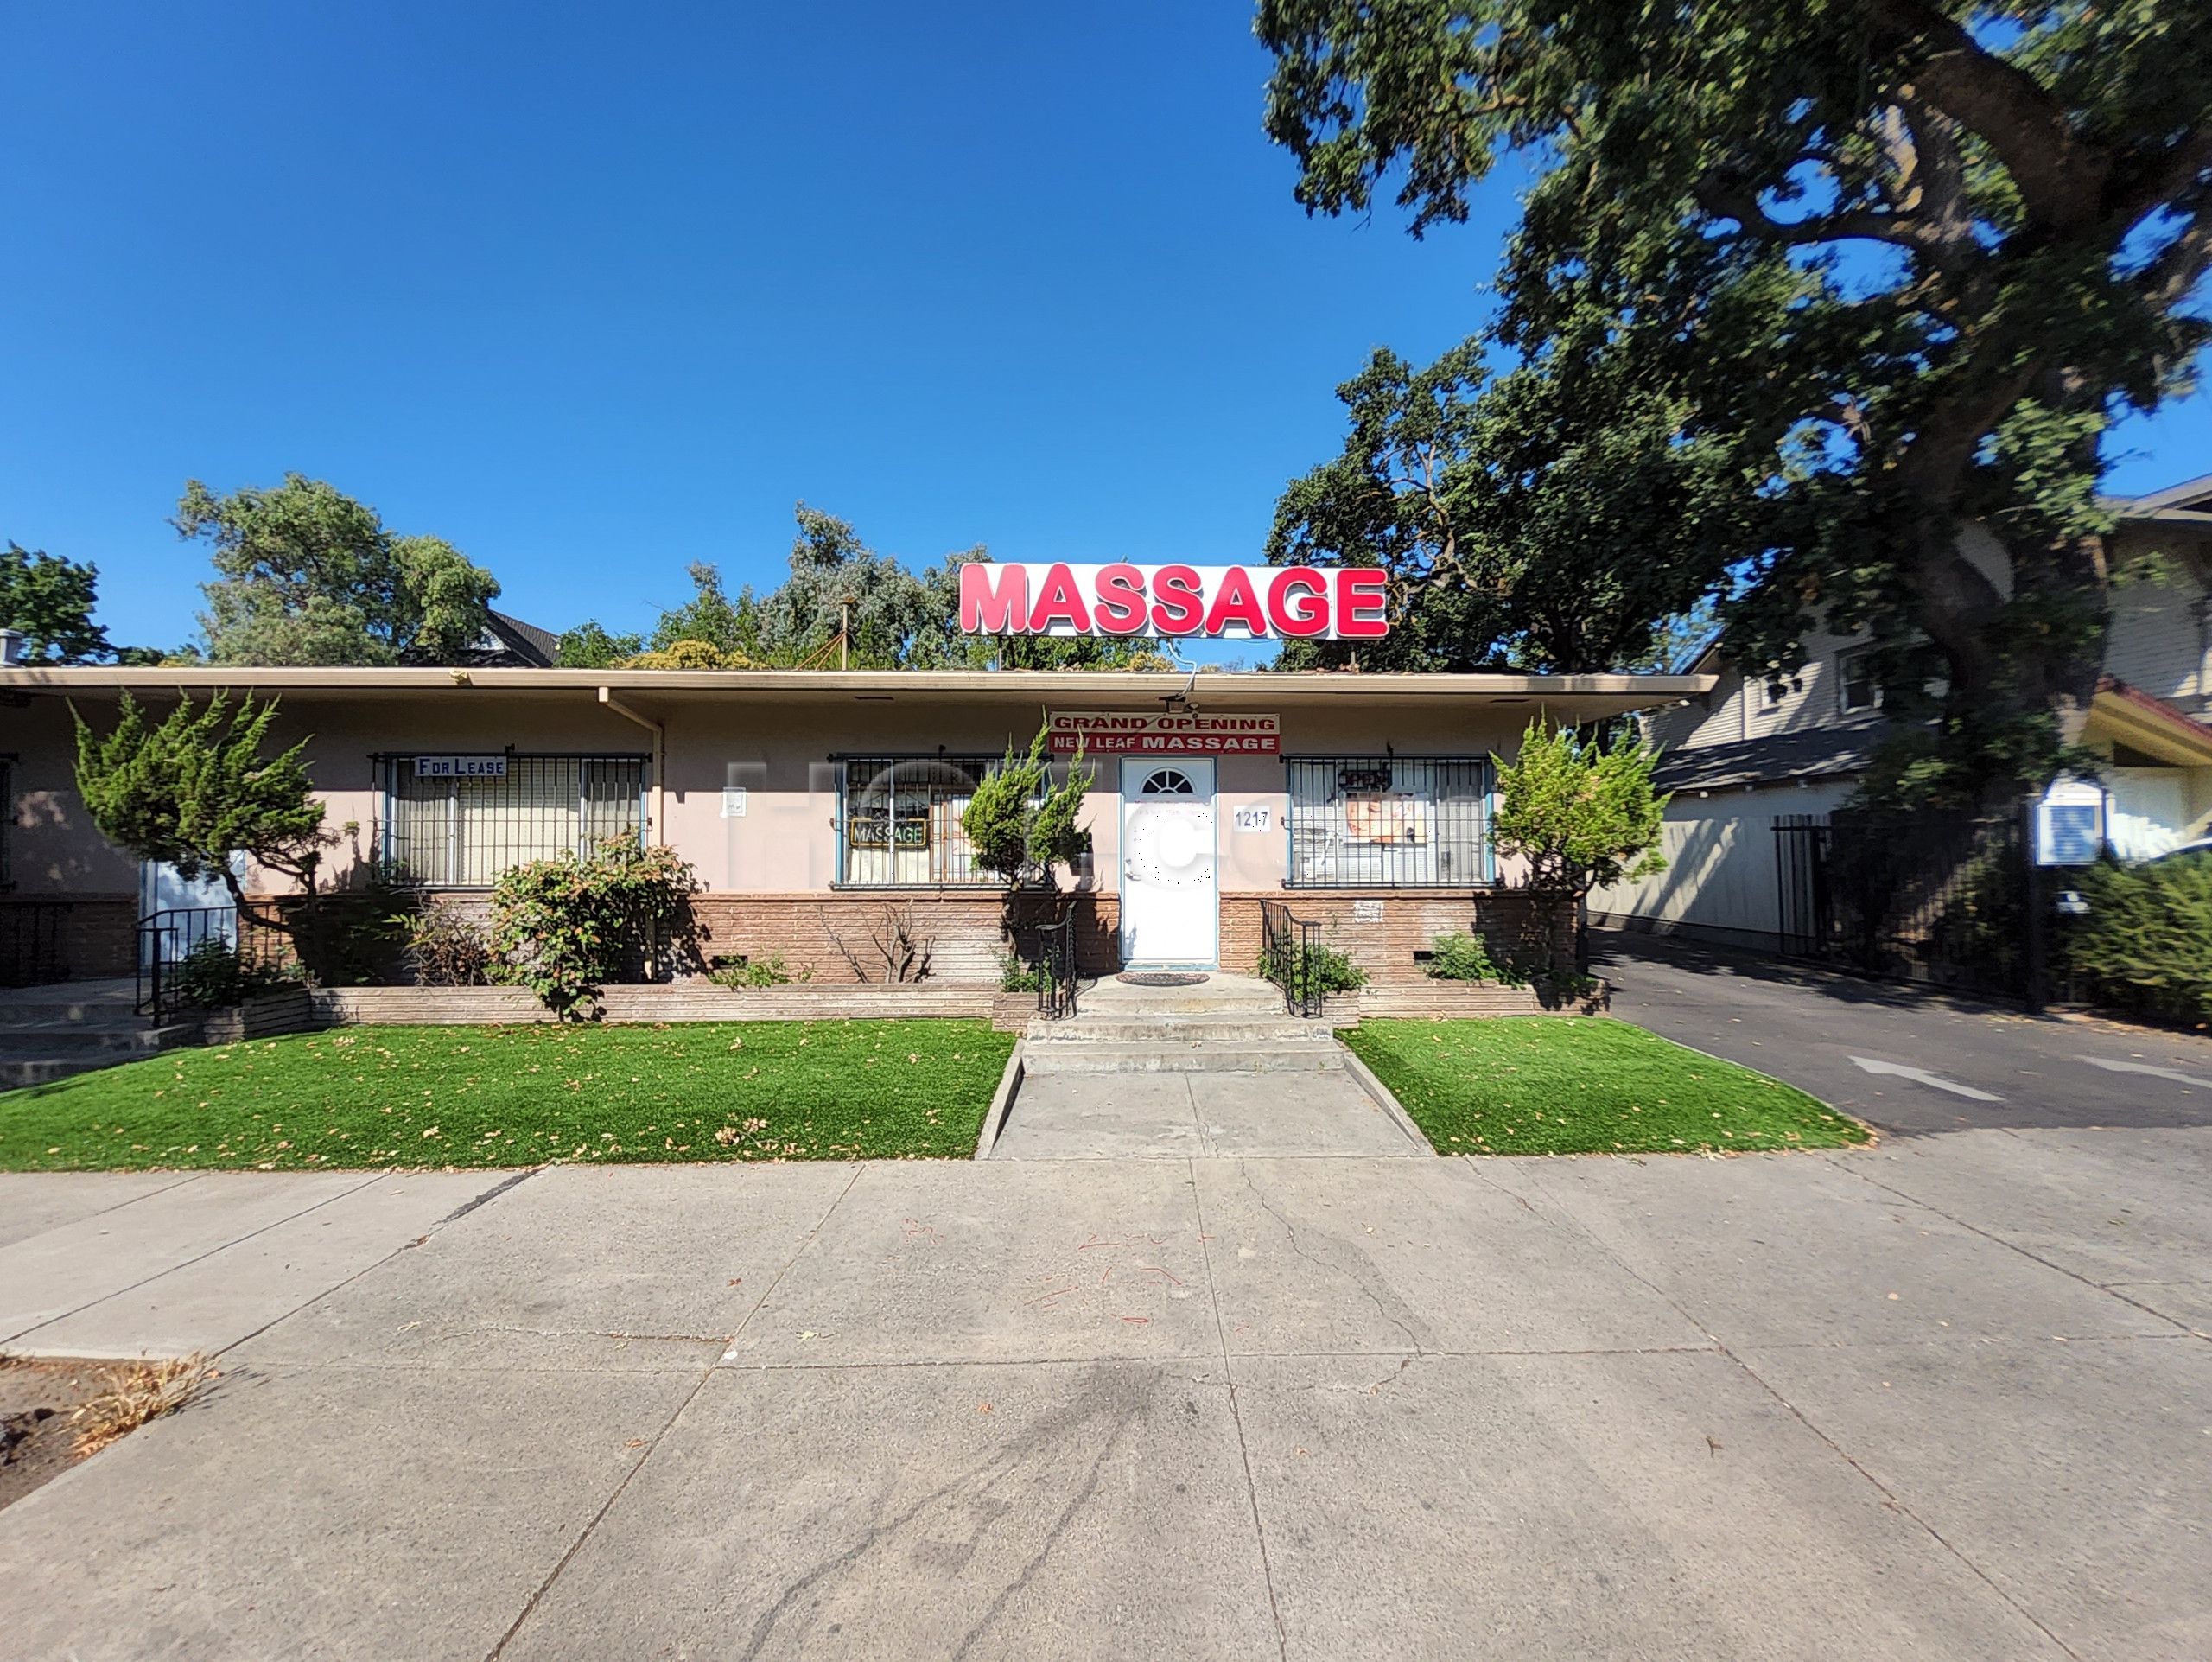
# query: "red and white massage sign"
{"type": "Point", "coordinates": [1297, 602]}
{"type": "Point", "coordinates": [1133, 733]}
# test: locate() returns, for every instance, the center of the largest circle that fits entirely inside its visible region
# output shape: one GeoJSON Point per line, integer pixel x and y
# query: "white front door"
{"type": "Point", "coordinates": [1168, 909]}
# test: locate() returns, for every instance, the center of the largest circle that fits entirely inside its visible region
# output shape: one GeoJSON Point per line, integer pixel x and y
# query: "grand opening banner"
{"type": "Point", "coordinates": [1114, 732]}
{"type": "Point", "coordinates": [1297, 602]}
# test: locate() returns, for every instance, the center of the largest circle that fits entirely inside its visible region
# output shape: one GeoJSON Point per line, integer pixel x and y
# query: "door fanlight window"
{"type": "Point", "coordinates": [1168, 781]}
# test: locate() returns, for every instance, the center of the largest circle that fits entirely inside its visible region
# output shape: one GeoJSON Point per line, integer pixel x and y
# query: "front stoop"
{"type": "Point", "coordinates": [1217, 1069]}
{"type": "Point", "coordinates": [54, 1033]}
{"type": "Point", "coordinates": [1227, 1024]}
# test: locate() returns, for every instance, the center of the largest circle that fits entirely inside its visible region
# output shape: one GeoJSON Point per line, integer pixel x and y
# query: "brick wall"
{"type": "Point", "coordinates": [292, 1011]}
{"type": "Point", "coordinates": [1382, 929]}
{"type": "Point", "coordinates": [43, 937]}
{"type": "Point", "coordinates": [833, 933]}
{"type": "Point", "coordinates": [686, 1002]}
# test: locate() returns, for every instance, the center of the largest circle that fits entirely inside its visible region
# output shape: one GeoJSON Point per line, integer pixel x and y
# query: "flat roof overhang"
{"type": "Point", "coordinates": [662, 693]}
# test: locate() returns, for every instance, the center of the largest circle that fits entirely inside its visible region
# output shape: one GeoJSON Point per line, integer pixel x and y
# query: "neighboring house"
{"type": "Point", "coordinates": [1746, 753]}
{"type": "Point", "coordinates": [511, 643]}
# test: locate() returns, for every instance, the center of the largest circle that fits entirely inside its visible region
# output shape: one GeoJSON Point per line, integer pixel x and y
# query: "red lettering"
{"type": "Point", "coordinates": [1362, 597]}
{"type": "Point", "coordinates": [1297, 600]}
{"type": "Point", "coordinates": [1177, 605]}
{"type": "Point", "coordinates": [1119, 609]}
{"type": "Point", "coordinates": [988, 607]}
{"type": "Point", "coordinates": [1236, 601]}
{"type": "Point", "coordinates": [1058, 602]}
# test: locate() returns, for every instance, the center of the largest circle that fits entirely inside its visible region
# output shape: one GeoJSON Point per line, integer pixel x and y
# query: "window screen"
{"type": "Point", "coordinates": [899, 820]}
{"type": "Point", "coordinates": [1390, 822]}
{"type": "Point", "coordinates": [461, 832]}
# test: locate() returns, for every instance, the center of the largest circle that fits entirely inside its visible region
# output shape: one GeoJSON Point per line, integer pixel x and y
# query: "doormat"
{"type": "Point", "coordinates": [1158, 978]}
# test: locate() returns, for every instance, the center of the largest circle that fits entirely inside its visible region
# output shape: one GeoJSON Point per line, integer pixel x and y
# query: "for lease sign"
{"type": "Point", "coordinates": [1299, 602]}
{"type": "Point", "coordinates": [1136, 733]}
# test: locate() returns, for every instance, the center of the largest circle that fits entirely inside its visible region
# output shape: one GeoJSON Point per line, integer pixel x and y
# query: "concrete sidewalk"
{"type": "Point", "coordinates": [1948, 1398]}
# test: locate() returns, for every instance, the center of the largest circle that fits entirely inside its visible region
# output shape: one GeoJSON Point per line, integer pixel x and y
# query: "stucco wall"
{"type": "Point", "coordinates": [786, 843]}
{"type": "Point", "coordinates": [1720, 881]}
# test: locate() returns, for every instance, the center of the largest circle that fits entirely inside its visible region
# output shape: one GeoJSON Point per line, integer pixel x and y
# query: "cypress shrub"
{"type": "Point", "coordinates": [2147, 944]}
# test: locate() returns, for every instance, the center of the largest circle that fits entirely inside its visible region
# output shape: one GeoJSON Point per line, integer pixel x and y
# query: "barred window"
{"type": "Point", "coordinates": [899, 820]}
{"type": "Point", "coordinates": [453, 822]}
{"type": "Point", "coordinates": [1390, 822]}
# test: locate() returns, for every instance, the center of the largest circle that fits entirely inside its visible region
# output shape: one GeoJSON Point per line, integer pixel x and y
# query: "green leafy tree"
{"type": "Point", "coordinates": [1022, 829]}
{"type": "Point", "coordinates": [1890, 266]}
{"type": "Point", "coordinates": [49, 601]}
{"type": "Point", "coordinates": [1021, 826]}
{"type": "Point", "coordinates": [305, 576]}
{"type": "Point", "coordinates": [1399, 497]}
{"type": "Point", "coordinates": [589, 646]}
{"type": "Point", "coordinates": [1582, 815]}
{"type": "Point", "coordinates": [198, 788]}
{"type": "Point", "coordinates": [1494, 504]}
{"type": "Point", "coordinates": [838, 583]}
{"type": "Point", "coordinates": [890, 617]}
{"type": "Point", "coordinates": [731, 628]}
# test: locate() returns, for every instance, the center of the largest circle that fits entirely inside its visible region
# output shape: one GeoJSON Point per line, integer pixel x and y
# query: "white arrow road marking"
{"type": "Point", "coordinates": [2155, 1072]}
{"type": "Point", "coordinates": [1921, 1076]}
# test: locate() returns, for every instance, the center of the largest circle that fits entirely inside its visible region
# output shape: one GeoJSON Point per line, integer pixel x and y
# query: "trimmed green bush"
{"type": "Point", "coordinates": [2146, 945]}
{"type": "Point", "coordinates": [565, 926]}
{"type": "Point", "coordinates": [212, 976]}
{"type": "Point", "coordinates": [1462, 957]}
{"type": "Point", "coordinates": [1323, 968]}
{"type": "Point", "coordinates": [769, 972]}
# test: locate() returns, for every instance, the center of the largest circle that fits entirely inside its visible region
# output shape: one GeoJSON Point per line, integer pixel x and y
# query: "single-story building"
{"type": "Point", "coordinates": [818, 809]}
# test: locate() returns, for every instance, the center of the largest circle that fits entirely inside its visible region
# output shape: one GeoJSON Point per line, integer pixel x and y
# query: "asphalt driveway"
{"type": "Point", "coordinates": [1900, 1059]}
{"type": "Point", "coordinates": [1948, 1397]}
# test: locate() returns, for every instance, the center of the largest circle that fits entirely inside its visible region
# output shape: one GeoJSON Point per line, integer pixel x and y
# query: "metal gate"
{"type": "Point", "coordinates": [1804, 920]}
{"type": "Point", "coordinates": [1941, 899]}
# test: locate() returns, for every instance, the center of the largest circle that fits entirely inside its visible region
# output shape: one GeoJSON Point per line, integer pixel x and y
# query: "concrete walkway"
{"type": "Point", "coordinates": [1174, 1116]}
{"type": "Point", "coordinates": [1213, 1069]}
{"type": "Point", "coordinates": [1948, 1398]}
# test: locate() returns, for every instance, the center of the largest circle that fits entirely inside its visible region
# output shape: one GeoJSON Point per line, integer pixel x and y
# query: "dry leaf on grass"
{"type": "Point", "coordinates": [137, 1392]}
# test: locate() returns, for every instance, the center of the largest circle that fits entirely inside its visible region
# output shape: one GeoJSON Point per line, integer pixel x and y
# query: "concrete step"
{"type": "Point", "coordinates": [1117, 999]}
{"type": "Point", "coordinates": [28, 1010]}
{"type": "Point", "coordinates": [1302, 1056]}
{"type": "Point", "coordinates": [18, 1071]}
{"type": "Point", "coordinates": [1175, 1030]}
{"type": "Point", "coordinates": [69, 1040]}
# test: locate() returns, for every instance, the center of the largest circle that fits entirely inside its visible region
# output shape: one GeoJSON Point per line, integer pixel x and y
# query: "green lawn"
{"type": "Point", "coordinates": [517, 1096]}
{"type": "Point", "coordinates": [1576, 1085]}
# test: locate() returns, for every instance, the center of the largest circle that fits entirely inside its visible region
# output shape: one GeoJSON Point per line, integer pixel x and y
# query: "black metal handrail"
{"type": "Point", "coordinates": [1289, 951]}
{"type": "Point", "coordinates": [1056, 968]}
{"type": "Point", "coordinates": [166, 939]}
{"type": "Point", "coordinates": [34, 942]}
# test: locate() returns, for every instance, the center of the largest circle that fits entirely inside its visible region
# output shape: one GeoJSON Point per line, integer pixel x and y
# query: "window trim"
{"type": "Point", "coordinates": [842, 761]}
{"type": "Point", "coordinates": [1843, 704]}
{"type": "Point", "coordinates": [385, 764]}
{"type": "Point", "coordinates": [1488, 798]}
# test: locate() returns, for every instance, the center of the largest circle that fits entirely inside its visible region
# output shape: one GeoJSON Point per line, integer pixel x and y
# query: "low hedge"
{"type": "Point", "coordinates": [2146, 945]}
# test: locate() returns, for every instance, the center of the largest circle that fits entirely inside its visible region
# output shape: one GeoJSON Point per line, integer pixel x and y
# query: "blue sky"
{"type": "Point", "coordinates": [597, 291]}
